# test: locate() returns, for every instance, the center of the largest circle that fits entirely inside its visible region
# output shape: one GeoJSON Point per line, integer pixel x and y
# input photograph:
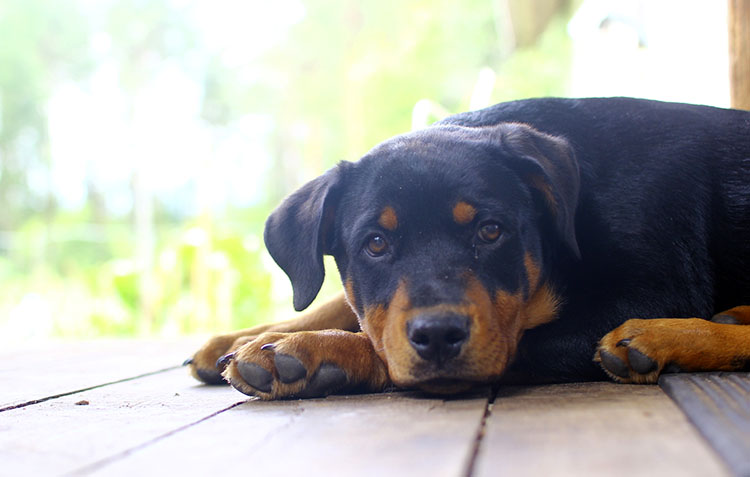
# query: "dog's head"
{"type": "Point", "coordinates": [441, 238]}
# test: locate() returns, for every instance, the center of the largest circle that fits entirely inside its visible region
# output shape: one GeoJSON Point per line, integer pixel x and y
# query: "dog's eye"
{"type": "Point", "coordinates": [489, 232]}
{"type": "Point", "coordinates": [376, 246]}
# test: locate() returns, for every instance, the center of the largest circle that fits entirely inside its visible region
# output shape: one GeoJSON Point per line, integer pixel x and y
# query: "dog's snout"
{"type": "Point", "coordinates": [438, 337]}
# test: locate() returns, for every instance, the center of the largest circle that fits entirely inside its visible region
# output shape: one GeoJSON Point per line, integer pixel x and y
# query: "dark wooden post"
{"type": "Point", "coordinates": [739, 53]}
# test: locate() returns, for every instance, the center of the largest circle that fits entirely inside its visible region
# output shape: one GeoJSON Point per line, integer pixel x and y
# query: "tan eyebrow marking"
{"type": "Point", "coordinates": [464, 213]}
{"type": "Point", "coordinates": [388, 219]}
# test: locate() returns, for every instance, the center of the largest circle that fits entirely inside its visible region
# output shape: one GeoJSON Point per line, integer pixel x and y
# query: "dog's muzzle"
{"type": "Point", "coordinates": [438, 338]}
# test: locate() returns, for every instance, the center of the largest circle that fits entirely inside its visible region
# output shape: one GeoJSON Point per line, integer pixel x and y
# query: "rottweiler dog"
{"type": "Point", "coordinates": [542, 240]}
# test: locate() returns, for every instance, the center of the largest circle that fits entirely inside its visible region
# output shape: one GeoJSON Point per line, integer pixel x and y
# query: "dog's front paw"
{"type": "Point", "coordinates": [638, 351]}
{"type": "Point", "coordinates": [305, 364]}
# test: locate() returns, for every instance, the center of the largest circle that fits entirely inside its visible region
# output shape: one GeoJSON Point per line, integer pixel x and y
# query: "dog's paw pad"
{"type": "Point", "coordinates": [255, 376]}
{"type": "Point", "coordinates": [724, 319]}
{"type": "Point", "coordinates": [209, 376]}
{"type": "Point", "coordinates": [328, 379]}
{"type": "Point", "coordinates": [290, 369]}
{"type": "Point", "coordinates": [614, 364]}
{"type": "Point", "coordinates": [640, 363]}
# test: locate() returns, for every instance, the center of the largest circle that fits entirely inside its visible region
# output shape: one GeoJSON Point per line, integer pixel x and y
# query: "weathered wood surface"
{"type": "Point", "coordinates": [59, 436]}
{"type": "Point", "coordinates": [33, 373]}
{"type": "Point", "coordinates": [591, 429]}
{"type": "Point", "coordinates": [739, 53]}
{"type": "Point", "coordinates": [371, 435]}
{"type": "Point", "coordinates": [719, 406]}
{"type": "Point", "coordinates": [154, 421]}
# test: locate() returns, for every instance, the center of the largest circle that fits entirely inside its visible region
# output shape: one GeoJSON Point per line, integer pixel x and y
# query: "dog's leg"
{"type": "Point", "coordinates": [638, 351]}
{"type": "Point", "coordinates": [306, 364]}
{"type": "Point", "coordinates": [334, 314]}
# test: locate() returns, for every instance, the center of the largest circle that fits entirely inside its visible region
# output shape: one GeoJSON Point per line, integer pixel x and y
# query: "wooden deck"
{"type": "Point", "coordinates": [124, 408]}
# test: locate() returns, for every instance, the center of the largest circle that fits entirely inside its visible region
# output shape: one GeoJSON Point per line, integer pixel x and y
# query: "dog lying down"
{"type": "Point", "coordinates": [543, 240]}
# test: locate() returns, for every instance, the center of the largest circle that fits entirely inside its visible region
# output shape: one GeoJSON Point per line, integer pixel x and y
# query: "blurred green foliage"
{"type": "Point", "coordinates": [343, 78]}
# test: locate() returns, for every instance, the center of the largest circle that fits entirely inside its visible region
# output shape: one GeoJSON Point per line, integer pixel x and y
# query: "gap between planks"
{"type": "Point", "coordinates": [718, 405]}
{"type": "Point", "coordinates": [481, 431]}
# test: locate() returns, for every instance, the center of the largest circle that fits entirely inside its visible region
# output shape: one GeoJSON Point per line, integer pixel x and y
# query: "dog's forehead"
{"type": "Point", "coordinates": [425, 176]}
{"type": "Point", "coordinates": [421, 163]}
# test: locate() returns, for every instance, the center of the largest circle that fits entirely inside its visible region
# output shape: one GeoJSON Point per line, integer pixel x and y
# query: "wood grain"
{"type": "Point", "coordinates": [739, 53]}
{"type": "Point", "coordinates": [167, 423]}
{"type": "Point", "coordinates": [377, 435]}
{"type": "Point", "coordinates": [719, 406]}
{"type": "Point", "coordinates": [591, 429]}
{"type": "Point", "coordinates": [60, 436]}
{"type": "Point", "coordinates": [38, 371]}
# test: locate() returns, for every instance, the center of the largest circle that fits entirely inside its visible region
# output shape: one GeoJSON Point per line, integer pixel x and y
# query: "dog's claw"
{"type": "Point", "coordinates": [224, 360]}
{"type": "Point", "coordinates": [290, 369]}
{"type": "Point", "coordinates": [641, 363]}
{"type": "Point", "coordinates": [255, 376]}
{"type": "Point", "coordinates": [614, 364]}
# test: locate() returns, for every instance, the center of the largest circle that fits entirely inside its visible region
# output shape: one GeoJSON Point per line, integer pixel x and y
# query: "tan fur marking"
{"type": "Point", "coordinates": [532, 272]}
{"type": "Point", "coordinates": [464, 213]}
{"type": "Point", "coordinates": [541, 308]}
{"type": "Point", "coordinates": [543, 303]}
{"type": "Point", "coordinates": [507, 305]}
{"type": "Point", "coordinates": [388, 219]}
{"type": "Point", "coordinates": [349, 294]}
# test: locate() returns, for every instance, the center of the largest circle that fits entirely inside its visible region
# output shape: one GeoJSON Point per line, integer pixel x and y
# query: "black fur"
{"type": "Point", "coordinates": [633, 208]}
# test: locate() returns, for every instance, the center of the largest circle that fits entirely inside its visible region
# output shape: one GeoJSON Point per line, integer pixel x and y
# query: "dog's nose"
{"type": "Point", "coordinates": [438, 337]}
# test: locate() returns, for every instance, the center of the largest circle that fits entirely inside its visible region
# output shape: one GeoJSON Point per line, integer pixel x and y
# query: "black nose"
{"type": "Point", "coordinates": [438, 337]}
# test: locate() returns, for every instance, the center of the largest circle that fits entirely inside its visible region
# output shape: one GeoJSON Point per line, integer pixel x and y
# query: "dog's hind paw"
{"type": "Point", "coordinates": [638, 351]}
{"type": "Point", "coordinates": [306, 364]}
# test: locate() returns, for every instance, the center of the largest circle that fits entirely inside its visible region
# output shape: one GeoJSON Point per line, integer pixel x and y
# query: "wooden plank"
{"type": "Point", "coordinates": [59, 436]}
{"type": "Point", "coordinates": [383, 434]}
{"type": "Point", "coordinates": [591, 429]}
{"type": "Point", "coordinates": [739, 53]}
{"type": "Point", "coordinates": [719, 406]}
{"type": "Point", "coordinates": [36, 372]}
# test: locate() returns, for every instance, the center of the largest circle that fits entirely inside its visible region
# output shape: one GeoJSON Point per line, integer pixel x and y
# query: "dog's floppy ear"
{"type": "Point", "coordinates": [297, 234]}
{"type": "Point", "coordinates": [549, 166]}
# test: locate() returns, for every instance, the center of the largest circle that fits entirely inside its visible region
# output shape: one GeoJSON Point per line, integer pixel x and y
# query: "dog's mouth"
{"type": "Point", "coordinates": [453, 379]}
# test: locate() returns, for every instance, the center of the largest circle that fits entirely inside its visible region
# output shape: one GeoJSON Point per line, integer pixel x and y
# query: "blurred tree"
{"type": "Point", "coordinates": [349, 74]}
{"type": "Point", "coordinates": [346, 75]}
{"type": "Point", "coordinates": [42, 43]}
{"type": "Point", "coordinates": [144, 35]}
